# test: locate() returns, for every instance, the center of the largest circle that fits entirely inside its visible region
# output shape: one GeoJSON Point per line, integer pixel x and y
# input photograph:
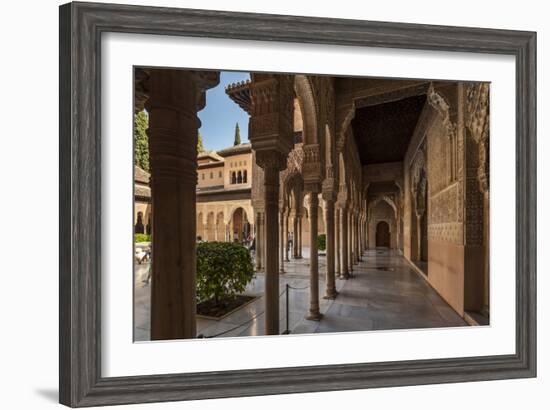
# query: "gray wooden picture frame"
{"type": "Point", "coordinates": [81, 27]}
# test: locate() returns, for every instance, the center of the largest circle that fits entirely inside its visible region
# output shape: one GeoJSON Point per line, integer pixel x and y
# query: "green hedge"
{"type": "Point", "coordinates": [322, 242]}
{"type": "Point", "coordinates": [223, 270]}
{"type": "Point", "coordinates": [141, 237]}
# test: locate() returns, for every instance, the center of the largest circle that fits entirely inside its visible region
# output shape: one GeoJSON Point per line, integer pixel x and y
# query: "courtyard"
{"type": "Point", "coordinates": [385, 292]}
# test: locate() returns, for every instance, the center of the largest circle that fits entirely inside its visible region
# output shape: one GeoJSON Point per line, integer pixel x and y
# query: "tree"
{"type": "Point", "coordinates": [224, 269]}
{"type": "Point", "coordinates": [200, 145]}
{"type": "Point", "coordinates": [237, 135]}
{"type": "Point", "coordinates": [141, 141]}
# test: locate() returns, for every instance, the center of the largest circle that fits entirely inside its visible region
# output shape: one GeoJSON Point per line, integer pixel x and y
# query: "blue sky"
{"type": "Point", "coordinates": [220, 114]}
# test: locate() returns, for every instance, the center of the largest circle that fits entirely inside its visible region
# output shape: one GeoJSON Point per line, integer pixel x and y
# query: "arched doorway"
{"type": "Point", "coordinates": [139, 228]}
{"type": "Point", "coordinates": [240, 226]}
{"type": "Point", "coordinates": [382, 234]}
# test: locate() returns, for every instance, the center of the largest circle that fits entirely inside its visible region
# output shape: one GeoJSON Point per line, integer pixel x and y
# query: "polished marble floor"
{"type": "Point", "coordinates": [384, 293]}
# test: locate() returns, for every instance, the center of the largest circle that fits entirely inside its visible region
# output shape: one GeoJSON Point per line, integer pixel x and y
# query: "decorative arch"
{"type": "Point", "coordinates": [345, 114]}
{"type": "Point", "coordinates": [308, 108]}
{"type": "Point", "coordinates": [386, 199]}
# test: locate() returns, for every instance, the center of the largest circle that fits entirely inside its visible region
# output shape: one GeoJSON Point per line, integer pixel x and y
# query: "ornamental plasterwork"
{"type": "Point", "coordinates": [389, 199]}
{"type": "Point", "coordinates": [443, 108]}
{"type": "Point", "coordinates": [271, 121]}
{"type": "Point", "coordinates": [477, 122]}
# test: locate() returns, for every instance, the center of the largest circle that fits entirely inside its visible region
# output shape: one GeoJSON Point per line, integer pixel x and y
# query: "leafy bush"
{"type": "Point", "coordinates": [141, 237]}
{"type": "Point", "coordinates": [322, 242]}
{"type": "Point", "coordinates": [223, 270]}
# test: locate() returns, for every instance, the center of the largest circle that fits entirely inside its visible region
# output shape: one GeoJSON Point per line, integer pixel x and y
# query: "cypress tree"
{"type": "Point", "coordinates": [200, 145]}
{"type": "Point", "coordinates": [141, 141]}
{"type": "Point", "coordinates": [237, 135]}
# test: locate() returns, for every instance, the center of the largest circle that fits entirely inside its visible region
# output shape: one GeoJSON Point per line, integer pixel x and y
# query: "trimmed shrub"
{"type": "Point", "coordinates": [223, 270]}
{"type": "Point", "coordinates": [322, 242]}
{"type": "Point", "coordinates": [141, 237]}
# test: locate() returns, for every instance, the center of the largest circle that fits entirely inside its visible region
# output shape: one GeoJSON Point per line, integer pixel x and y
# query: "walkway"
{"type": "Point", "coordinates": [385, 293]}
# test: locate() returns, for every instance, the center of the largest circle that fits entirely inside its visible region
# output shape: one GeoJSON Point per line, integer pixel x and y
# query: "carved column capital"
{"type": "Point", "coordinates": [311, 167]}
{"type": "Point", "coordinates": [271, 125]}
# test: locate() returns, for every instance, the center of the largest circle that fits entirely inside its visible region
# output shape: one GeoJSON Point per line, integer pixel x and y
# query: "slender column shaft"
{"type": "Point", "coordinates": [264, 245]}
{"type": "Point", "coordinates": [285, 236]}
{"type": "Point", "coordinates": [350, 241]}
{"type": "Point", "coordinates": [300, 237]}
{"type": "Point", "coordinates": [357, 239]}
{"type": "Point", "coordinates": [172, 140]}
{"type": "Point", "coordinates": [281, 243]}
{"type": "Point", "coordinates": [330, 291]}
{"type": "Point", "coordinates": [337, 243]}
{"type": "Point", "coordinates": [271, 182]}
{"type": "Point", "coordinates": [259, 240]}
{"type": "Point", "coordinates": [295, 237]}
{"type": "Point", "coordinates": [344, 241]}
{"type": "Point", "coordinates": [363, 247]}
{"type": "Point", "coordinates": [314, 313]}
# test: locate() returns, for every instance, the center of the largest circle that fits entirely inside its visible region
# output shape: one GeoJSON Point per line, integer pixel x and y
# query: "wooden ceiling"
{"type": "Point", "coordinates": [383, 132]}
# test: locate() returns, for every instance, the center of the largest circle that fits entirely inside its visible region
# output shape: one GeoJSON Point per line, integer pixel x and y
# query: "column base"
{"type": "Point", "coordinates": [331, 295]}
{"type": "Point", "coordinates": [345, 276]}
{"type": "Point", "coordinates": [316, 317]}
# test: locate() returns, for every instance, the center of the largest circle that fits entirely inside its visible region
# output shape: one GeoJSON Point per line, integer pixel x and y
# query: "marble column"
{"type": "Point", "coordinates": [286, 235]}
{"type": "Point", "coordinates": [271, 184]}
{"type": "Point", "coordinates": [281, 242]}
{"type": "Point", "coordinates": [300, 236]}
{"type": "Point", "coordinates": [337, 243]}
{"type": "Point", "coordinates": [173, 124]}
{"type": "Point", "coordinates": [357, 239]}
{"type": "Point", "coordinates": [258, 241]}
{"type": "Point", "coordinates": [344, 242]}
{"type": "Point", "coordinates": [314, 313]}
{"type": "Point", "coordinates": [295, 253]}
{"type": "Point", "coordinates": [330, 291]}
{"type": "Point", "coordinates": [351, 260]}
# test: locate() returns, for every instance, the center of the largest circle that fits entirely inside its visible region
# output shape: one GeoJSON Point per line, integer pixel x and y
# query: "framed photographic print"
{"type": "Point", "coordinates": [260, 204]}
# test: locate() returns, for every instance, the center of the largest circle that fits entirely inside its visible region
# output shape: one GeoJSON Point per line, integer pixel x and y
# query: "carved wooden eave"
{"type": "Point", "coordinates": [390, 93]}
{"type": "Point", "coordinates": [239, 92]}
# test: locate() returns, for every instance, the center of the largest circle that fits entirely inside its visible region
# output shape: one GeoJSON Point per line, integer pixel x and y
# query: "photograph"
{"type": "Point", "coordinates": [291, 204]}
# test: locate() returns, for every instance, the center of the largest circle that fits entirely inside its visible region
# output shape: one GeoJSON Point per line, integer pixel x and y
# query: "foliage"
{"type": "Point", "coordinates": [141, 141]}
{"type": "Point", "coordinates": [223, 270]}
{"type": "Point", "coordinates": [141, 237]}
{"type": "Point", "coordinates": [200, 144]}
{"type": "Point", "coordinates": [237, 135]}
{"type": "Point", "coordinates": [322, 242]}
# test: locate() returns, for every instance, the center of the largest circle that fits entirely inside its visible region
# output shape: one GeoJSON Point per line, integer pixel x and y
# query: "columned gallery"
{"type": "Point", "coordinates": [379, 165]}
